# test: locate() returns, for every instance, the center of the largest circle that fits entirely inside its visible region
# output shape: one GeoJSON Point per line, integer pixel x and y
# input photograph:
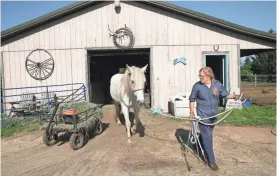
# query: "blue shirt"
{"type": "Point", "coordinates": [207, 101]}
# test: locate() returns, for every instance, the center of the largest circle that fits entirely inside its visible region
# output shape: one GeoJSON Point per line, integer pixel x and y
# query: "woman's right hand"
{"type": "Point", "coordinates": [191, 115]}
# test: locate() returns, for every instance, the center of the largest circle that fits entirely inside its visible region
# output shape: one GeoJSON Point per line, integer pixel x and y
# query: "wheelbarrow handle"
{"type": "Point", "coordinates": [53, 115]}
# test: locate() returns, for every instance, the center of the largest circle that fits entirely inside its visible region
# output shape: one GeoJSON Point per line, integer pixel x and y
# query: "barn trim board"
{"type": "Point", "coordinates": [238, 65]}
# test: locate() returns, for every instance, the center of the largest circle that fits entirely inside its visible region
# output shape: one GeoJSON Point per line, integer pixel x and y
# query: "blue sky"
{"type": "Point", "coordinates": [258, 15]}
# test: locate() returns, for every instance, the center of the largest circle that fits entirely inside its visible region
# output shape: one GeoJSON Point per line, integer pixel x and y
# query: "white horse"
{"type": "Point", "coordinates": [127, 90]}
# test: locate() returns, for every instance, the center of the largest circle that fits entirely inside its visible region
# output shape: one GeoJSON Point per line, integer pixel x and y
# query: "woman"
{"type": "Point", "coordinates": [206, 93]}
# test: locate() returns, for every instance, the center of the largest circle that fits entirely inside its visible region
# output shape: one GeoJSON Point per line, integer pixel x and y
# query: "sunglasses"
{"type": "Point", "coordinates": [201, 76]}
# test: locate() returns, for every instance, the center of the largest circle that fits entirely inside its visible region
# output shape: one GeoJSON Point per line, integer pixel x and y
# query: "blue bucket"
{"type": "Point", "coordinates": [247, 103]}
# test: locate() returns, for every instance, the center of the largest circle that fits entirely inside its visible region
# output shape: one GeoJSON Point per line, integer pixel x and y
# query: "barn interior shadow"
{"type": "Point", "coordinates": [182, 136]}
{"type": "Point", "coordinates": [65, 137]}
{"type": "Point", "coordinates": [139, 129]}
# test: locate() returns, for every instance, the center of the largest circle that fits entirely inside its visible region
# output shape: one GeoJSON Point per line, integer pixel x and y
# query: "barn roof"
{"type": "Point", "coordinates": [9, 33]}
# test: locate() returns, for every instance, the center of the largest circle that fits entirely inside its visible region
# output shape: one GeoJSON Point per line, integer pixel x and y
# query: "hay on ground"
{"type": "Point", "coordinates": [87, 112]}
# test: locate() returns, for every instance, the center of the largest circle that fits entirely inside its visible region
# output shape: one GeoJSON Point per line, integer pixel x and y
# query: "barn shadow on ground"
{"type": "Point", "coordinates": [182, 136]}
{"type": "Point", "coordinates": [139, 129]}
{"type": "Point", "coordinates": [64, 137]}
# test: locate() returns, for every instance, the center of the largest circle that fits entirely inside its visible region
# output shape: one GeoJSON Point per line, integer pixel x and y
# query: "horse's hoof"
{"type": "Point", "coordinates": [129, 141]}
{"type": "Point", "coordinates": [118, 123]}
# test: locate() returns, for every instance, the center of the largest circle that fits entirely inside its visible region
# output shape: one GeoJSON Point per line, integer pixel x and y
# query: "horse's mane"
{"type": "Point", "coordinates": [125, 83]}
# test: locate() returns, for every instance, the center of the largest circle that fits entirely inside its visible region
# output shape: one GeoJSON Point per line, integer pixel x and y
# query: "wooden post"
{"type": "Point", "coordinates": [255, 80]}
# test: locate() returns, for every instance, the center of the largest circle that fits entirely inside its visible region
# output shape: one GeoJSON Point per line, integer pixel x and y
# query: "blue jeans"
{"type": "Point", "coordinates": [206, 139]}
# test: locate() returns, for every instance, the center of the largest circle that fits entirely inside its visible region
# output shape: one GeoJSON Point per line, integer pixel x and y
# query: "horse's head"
{"type": "Point", "coordinates": [137, 82]}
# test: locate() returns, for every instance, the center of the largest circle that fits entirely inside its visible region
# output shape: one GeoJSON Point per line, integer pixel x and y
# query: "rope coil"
{"type": "Point", "coordinates": [193, 130]}
{"type": "Point", "coordinates": [121, 34]}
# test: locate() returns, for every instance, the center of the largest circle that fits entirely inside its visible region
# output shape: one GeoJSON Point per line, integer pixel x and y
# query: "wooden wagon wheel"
{"type": "Point", "coordinates": [40, 70]}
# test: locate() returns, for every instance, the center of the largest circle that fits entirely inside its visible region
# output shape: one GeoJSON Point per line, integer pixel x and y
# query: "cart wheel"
{"type": "Point", "coordinates": [77, 141]}
{"type": "Point", "coordinates": [50, 139]}
{"type": "Point", "coordinates": [98, 128]}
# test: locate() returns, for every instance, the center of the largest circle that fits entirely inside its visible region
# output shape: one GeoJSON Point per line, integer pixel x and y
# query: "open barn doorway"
{"type": "Point", "coordinates": [103, 64]}
{"type": "Point", "coordinates": [219, 65]}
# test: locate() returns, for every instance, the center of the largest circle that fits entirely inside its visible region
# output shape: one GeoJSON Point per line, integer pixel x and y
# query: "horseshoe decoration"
{"type": "Point", "coordinates": [216, 47]}
{"type": "Point", "coordinates": [40, 64]}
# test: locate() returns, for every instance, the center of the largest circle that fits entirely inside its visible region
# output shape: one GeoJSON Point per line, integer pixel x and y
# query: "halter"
{"type": "Point", "coordinates": [136, 90]}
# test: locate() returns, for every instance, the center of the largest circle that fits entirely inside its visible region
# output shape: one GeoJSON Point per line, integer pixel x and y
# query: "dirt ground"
{"type": "Point", "coordinates": [238, 150]}
{"type": "Point", "coordinates": [264, 94]}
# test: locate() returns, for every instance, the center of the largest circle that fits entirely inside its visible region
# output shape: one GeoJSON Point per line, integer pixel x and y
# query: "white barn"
{"type": "Point", "coordinates": [78, 39]}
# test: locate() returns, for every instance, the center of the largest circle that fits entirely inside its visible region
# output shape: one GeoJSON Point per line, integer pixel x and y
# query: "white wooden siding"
{"type": "Point", "coordinates": [170, 79]}
{"type": "Point", "coordinates": [69, 68]}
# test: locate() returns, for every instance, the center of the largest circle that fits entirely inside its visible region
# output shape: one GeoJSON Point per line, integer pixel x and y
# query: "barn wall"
{"type": "Point", "coordinates": [170, 79]}
{"type": "Point", "coordinates": [69, 68]}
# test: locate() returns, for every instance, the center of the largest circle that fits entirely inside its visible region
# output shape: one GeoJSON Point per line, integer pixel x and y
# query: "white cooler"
{"type": "Point", "coordinates": [179, 105]}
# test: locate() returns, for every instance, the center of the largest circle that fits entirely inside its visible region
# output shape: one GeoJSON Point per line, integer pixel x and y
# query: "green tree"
{"type": "Point", "coordinates": [246, 67]}
{"type": "Point", "coordinates": [265, 62]}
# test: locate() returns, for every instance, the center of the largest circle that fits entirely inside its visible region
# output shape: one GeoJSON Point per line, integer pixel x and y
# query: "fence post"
{"type": "Point", "coordinates": [48, 102]}
{"type": "Point", "coordinates": [85, 92]}
{"type": "Point", "coordinates": [255, 80]}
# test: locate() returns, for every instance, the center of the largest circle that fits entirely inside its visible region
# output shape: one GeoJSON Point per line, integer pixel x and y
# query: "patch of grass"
{"type": "Point", "coordinates": [253, 116]}
{"type": "Point", "coordinates": [10, 129]}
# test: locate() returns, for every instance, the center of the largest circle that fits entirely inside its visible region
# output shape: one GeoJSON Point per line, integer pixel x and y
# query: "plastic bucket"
{"type": "Point", "coordinates": [246, 103]}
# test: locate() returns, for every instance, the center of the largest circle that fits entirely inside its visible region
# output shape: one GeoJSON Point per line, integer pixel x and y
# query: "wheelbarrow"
{"type": "Point", "coordinates": [71, 125]}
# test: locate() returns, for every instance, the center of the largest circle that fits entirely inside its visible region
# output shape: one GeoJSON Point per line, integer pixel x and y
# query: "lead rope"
{"type": "Point", "coordinates": [202, 119]}
{"type": "Point", "coordinates": [193, 138]}
{"type": "Point", "coordinates": [195, 121]}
